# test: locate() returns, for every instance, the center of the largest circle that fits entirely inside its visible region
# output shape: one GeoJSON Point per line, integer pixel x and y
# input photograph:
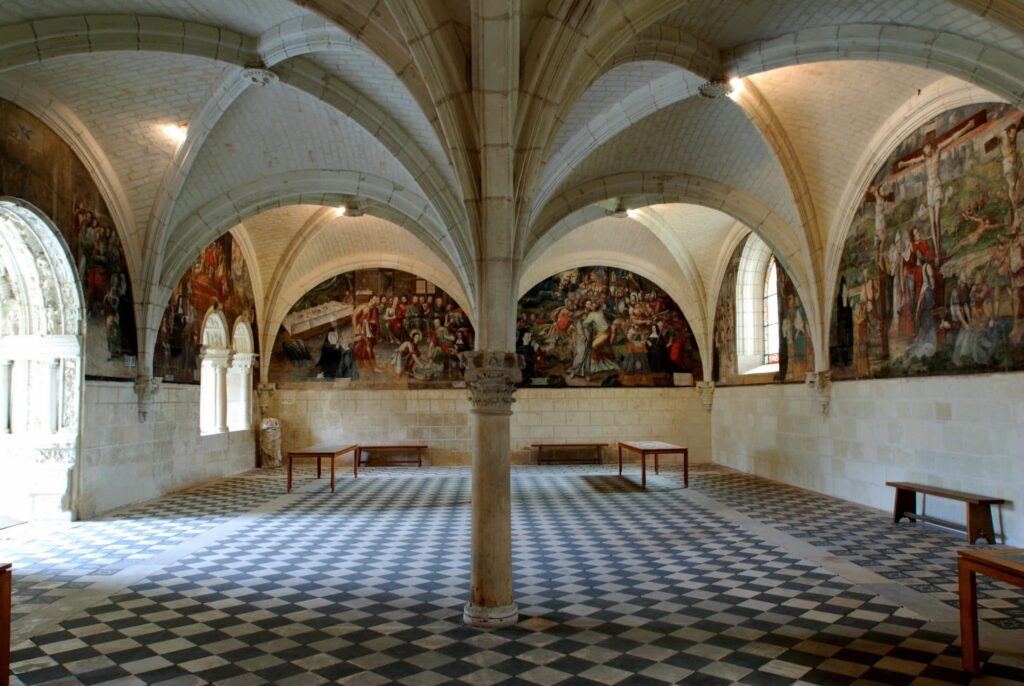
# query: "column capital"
{"type": "Point", "coordinates": [146, 389]}
{"type": "Point", "coordinates": [243, 360]}
{"type": "Point", "coordinates": [215, 357]}
{"type": "Point", "coordinates": [820, 383]}
{"type": "Point", "coordinates": [491, 376]}
{"type": "Point", "coordinates": [707, 393]}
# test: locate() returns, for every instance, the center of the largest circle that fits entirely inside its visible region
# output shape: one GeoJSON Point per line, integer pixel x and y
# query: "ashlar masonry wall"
{"type": "Point", "coordinates": [125, 461]}
{"type": "Point", "coordinates": [960, 432]}
{"type": "Point", "coordinates": [439, 419]}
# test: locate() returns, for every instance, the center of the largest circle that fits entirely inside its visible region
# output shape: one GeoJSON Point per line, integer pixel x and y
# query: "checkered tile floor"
{"type": "Point", "coordinates": [615, 586]}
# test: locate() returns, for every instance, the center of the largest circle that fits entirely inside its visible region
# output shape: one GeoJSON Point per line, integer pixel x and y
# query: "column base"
{"type": "Point", "coordinates": [490, 617]}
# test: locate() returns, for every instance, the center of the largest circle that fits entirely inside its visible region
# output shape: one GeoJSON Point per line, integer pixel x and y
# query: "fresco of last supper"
{"type": "Point", "coordinates": [932, 274]}
{"type": "Point", "coordinates": [375, 328]}
{"type": "Point", "coordinates": [602, 326]}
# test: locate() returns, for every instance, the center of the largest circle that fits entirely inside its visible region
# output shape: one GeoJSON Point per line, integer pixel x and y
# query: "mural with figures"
{"type": "Point", "coordinates": [931, 279]}
{"type": "Point", "coordinates": [218, 278]}
{"type": "Point", "coordinates": [796, 352]}
{"type": "Point", "coordinates": [376, 328]}
{"type": "Point", "coordinates": [37, 166]}
{"type": "Point", "coordinates": [602, 326]}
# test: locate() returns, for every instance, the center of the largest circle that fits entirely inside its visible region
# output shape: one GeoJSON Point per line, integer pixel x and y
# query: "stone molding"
{"type": "Point", "coordinates": [707, 393]}
{"type": "Point", "coordinates": [146, 389]}
{"type": "Point", "coordinates": [491, 376]}
{"type": "Point", "coordinates": [264, 394]}
{"type": "Point", "coordinates": [486, 617]}
{"type": "Point", "coordinates": [820, 384]}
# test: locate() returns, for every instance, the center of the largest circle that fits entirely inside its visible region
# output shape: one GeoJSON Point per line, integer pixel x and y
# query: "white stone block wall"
{"type": "Point", "coordinates": [959, 432]}
{"type": "Point", "coordinates": [440, 419]}
{"type": "Point", "coordinates": [124, 461]}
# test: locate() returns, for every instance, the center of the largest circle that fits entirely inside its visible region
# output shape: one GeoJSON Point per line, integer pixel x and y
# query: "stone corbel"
{"type": "Point", "coordinates": [491, 376]}
{"type": "Point", "coordinates": [707, 393]}
{"type": "Point", "coordinates": [820, 384]}
{"type": "Point", "coordinates": [264, 394]}
{"type": "Point", "coordinates": [146, 389]}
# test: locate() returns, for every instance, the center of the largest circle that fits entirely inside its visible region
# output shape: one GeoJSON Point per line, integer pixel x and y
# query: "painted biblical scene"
{"type": "Point", "coordinates": [373, 328]}
{"type": "Point", "coordinates": [932, 275]}
{"type": "Point", "coordinates": [218, 278]}
{"type": "Point", "coordinates": [37, 166]}
{"type": "Point", "coordinates": [602, 326]}
{"type": "Point", "coordinates": [795, 351]}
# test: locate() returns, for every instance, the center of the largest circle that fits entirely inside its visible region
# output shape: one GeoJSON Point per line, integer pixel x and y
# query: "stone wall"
{"type": "Point", "coordinates": [124, 461]}
{"type": "Point", "coordinates": [964, 432]}
{"type": "Point", "coordinates": [440, 419]}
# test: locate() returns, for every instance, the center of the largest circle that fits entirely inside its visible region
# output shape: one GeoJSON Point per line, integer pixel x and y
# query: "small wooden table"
{"type": "Point", "coordinates": [596, 447]}
{"type": "Point", "coordinates": [5, 619]}
{"type": "Point", "coordinates": [319, 452]}
{"type": "Point", "coordinates": [1006, 564]}
{"type": "Point", "coordinates": [418, 449]}
{"type": "Point", "coordinates": [655, 448]}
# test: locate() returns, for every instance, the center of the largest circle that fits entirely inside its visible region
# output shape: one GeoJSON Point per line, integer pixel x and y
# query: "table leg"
{"type": "Point", "coordinates": [620, 459]}
{"type": "Point", "coordinates": [289, 472]}
{"type": "Point", "coordinates": [419, 457]}
{"type": "Point", "coordinates": [333, 458]}
{"type": "Point", "coordinates": [355, 463]}
{"type": "Point", "coordinates": [597, 453]}
{"type": "Point", "coordinates": [643, 470]}
{"type": "Point", "coordinates": [318, 458]}
{"type": "Point", "coordinates": [5, 622]}
{"type": "Point", "coordinates": [686, 468]}
{"type": "Point", "coordinates": [968, 617]}
{"type": "Point", "coordinates": [655, 463]}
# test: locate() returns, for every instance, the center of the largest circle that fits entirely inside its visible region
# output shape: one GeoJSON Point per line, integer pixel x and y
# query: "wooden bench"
{"type": "Point", "coordinates": [5, 619]}
{"type": "Point", "coordinates": [418, 449]}
{"type": "Point", "coordinates": [318, 452]}
{"type": "Point", "coordinates": [541, 447]}
{"type": "Point", "coordinates": [979, 510]}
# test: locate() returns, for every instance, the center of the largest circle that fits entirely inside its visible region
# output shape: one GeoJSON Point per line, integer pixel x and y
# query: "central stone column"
{"type": "Point", "coordinates": [492, 377]}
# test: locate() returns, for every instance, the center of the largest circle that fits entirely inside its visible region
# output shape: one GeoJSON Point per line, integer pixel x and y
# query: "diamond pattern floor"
{"type": "Point", "coordinates": [615, 586]}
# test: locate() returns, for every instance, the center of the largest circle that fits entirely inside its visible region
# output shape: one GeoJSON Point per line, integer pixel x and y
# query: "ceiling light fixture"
{"type": "Point", "coordinates": [341, 211]}
{"type": "Point", "coordinates": [176, 133]}
{"type": "Point", "coordinates": [620, 211]}
{"type": "Point", "coordinates": [736, 88]}
{"type": "Point", "coordinates": [714, 88]}
{"type": "Point", "coordinates": [632, 213]}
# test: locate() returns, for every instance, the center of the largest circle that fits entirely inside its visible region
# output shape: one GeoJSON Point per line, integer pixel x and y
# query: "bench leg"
{"type": "Point", "coordinates": [643, 470]}
{"type": "Point", "coordinates": [686, 468]}
{"type": "Point", "coordinates": [620, 459]}
{"type": "Point", "coordinates": [655, 463]}
{"type": "Point", "coordinates": [333, 458]}
{"type": "Point", "coordinates": [906, 501]}
{"type": "Point", "coordinates": [289, 472]}
{"type": "Point", "coordinates": [355, 463]}
{"type": "Point", "coordinates": [979, 523]}
{"type": "Point", "coordinates": [318, 458]}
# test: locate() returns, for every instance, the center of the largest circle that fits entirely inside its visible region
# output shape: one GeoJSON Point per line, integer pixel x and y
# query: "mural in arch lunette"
{"type": "Point", "coordinates": [796, 352]}
{"type": "Point", "coordinates": [219, 277]}
{"type": "Point", "coordinates": [602, 326]}
{"type": "Point", "coordinates": [373, 328]}
{"type": "Point", "coordinates": [931, 279]}
{"type": "Point", "coordinates": [39, 167]}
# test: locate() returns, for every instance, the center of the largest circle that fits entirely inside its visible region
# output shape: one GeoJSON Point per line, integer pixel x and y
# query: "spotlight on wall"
{"type": "Point", "coordinates": [176, 133]}
{"type": "Point", "coordinates": [632, 213]}
{"type": "Point", "coordinates": [341, 211]}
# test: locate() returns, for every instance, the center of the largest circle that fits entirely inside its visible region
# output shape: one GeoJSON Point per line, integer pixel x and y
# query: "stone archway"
{"type": "Point", "coordinates": [41, 333]}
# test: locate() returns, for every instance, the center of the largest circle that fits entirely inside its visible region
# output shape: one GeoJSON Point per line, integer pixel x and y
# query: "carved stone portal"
{"type": "Point", "coordinates": [270, 443]}
{"type": "Point", "coordinates": [491, 376]}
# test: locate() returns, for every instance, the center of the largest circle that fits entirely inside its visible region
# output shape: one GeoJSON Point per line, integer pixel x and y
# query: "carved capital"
{"type": "Point", "coordinates": [264, 393]}
{"type": "Point", "coordinates": [258, 76]}
{"type": "Point", "coordinates": [146, 389]}
{"type": "Point", "coordinates": [491, 376]}
{"type": "Point", "coordinates": [820, 383]}
{"type": "Point", "coordinates": [707, 393]}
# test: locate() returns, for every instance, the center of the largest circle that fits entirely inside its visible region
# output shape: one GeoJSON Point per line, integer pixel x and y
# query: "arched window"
{"type": "Point", "coordinates": [757, 309]}
{"type": "Point", "coordinates": [240, 376]}
{"type": "Point", "coordinates": [213, 373]}
{"type": "Point", "coordinates": [41, 328]}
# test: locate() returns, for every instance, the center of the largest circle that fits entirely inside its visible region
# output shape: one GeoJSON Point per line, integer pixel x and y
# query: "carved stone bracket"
{"type": "Point", "coordinates": [491, 376]}
{"type": "Point", "coordinates": [820, 384]}
{"type": "Point", "coordinates": [146, 389]}
{"type": "Point", "coordinates": [707, 393]}
{"type": "Point", "coordinates": [259, 76]}
{"type": "Point", "coordinates": [264, 394]}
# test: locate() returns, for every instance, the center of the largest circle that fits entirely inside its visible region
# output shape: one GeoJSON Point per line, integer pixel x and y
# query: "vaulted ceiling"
{"type": "Point", "coordinates": [293, 108]}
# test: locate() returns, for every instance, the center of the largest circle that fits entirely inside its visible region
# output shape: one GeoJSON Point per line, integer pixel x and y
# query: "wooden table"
{"type": "Point", "coordinates": [596, 447]}
{"type": "Point", "coordinates": [655, 448]}
{"type": "Point", "coordinates": [1005, 564]}
{"type": "Point", "coordinates": [418, 449]}
{"type": "Point", "coordinates": [319, 452]}
{"type": "Point", "coordinates": [5, 619]}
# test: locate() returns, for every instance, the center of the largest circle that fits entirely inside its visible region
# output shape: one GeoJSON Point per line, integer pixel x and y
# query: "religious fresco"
{"type": "Point", "coordinates": [796, 352]}
{"type": "Point", "coordinates": [37, 166]}
{"type": "Point", "coordinates": [373, 328]}
{"type": "Point", "coordinates": [931, 279]}
{"type": "Point", "coordinates": [218, 278]}
{"type": "Point", "coordinates": [602, 326]}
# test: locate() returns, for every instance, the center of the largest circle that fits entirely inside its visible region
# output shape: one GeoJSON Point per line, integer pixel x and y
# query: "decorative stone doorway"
{"type": "Point", "coordinates": [41, 333]}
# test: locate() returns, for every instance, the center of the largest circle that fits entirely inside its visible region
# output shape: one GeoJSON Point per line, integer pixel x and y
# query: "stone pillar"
{"type": "Point", "coordinates": [220, 397]}
{"type": "Point", "coordinates": [491, 377]}
{"type": "Point", "coordinates": [241, 370]}
{"type": "Point", "coordinates": [5, 396]}
{"type": "Point", "coordinates": [53, 404]}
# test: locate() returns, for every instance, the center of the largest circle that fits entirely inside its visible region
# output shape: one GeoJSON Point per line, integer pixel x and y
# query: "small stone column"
{"type": "Point", "coordinates": [241, 371]}
{"type": "Point", "coordinates": [220, 396]}
{"type": "Point", "coordinates": [491, 377]}
{"type": "Point", "coordinates": [53, 406]}
{"type": "Point", "coordinates": [5, 396]}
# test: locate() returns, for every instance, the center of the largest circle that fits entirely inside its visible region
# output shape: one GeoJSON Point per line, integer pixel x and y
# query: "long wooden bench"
{"type": "Point", "coordinates": [541, 447]}
{"type": "Point", "coordinates": [979, 508]}
{"type": "Point", "coordinates": [362, 450]}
